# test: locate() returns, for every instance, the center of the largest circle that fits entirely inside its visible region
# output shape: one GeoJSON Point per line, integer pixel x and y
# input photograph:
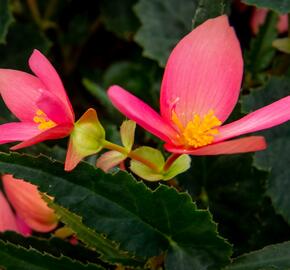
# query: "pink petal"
{"type": "Point", "coordinates": [18, 131]}
{"type": "Point", "coordinates": [20, 91]}
{"type": "Point", "coordinates": [141, 113]}
{"type": "Point", "coordinates": [258, 18]}
{"type": "Point", "coordinates": [57, 132]}
{"type": "Point", "coordinates": [266, 117]}
{"type": "Point", "coordinates": [23, 227]}
{"type": "Point", "coordinates": [243, 145]}
{"type": "Point", "coordinates": [43, 69]}
{"type": "Point", "coordinates": [54, 108]}
{"type": "Point", "coordinates": [7, 218]}
{"type": "Point", "coordinates": [29, 205]}
{"type": "Point", "coordinates": [73, 157]}
{"type": "Point", "coordinates": [203, 72]}
{"type": "Point", "coordinates": [282, 25]}
{"type": "Point", "coordinates": [109, 160]}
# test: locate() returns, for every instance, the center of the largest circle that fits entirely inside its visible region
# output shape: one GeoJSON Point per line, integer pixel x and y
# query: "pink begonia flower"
{"type": "Point", "coordinates": [45, 112]}
{"type": "Point", "coordinates": [39, 102]}
{"type": "Point", "coordinates": [10, 222]}
{"type": "Point", "coordinates": [23, 227]}
{"type": "Point", "coordinates": [200, 88]}
{"type": "Point", "coordinates": [7, 217]}
{"type": "Point", "coordinates": [259, 16]}
{"type": "Point", "coordinates": [28, 204]}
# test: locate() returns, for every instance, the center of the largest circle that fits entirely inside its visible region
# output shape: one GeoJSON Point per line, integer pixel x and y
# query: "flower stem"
{"type": "Point", "coordinates": [131, 154]}
{"type": "Point", "coordinates": [33, 6]}
{"type": "Point", "coordinates": [116, 147]}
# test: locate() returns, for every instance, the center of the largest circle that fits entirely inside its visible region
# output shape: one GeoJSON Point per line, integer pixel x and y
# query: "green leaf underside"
{"type": "Point", "coordinates": [127, 212]}
{"type": "Point", "coordinates": [5, 19]}
{"type": "Point", "coordinates": [276, 158]}
{"type": "Point", "coordinates": [281, 6]}
{"type": "Point", "coordinates": [14, 257]}
{"type": "Point", "coordinates": [269, 258]}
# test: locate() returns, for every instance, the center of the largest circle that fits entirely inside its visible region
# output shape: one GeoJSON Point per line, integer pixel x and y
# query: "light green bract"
{"type": "Point", "coordinates": [180, 165]}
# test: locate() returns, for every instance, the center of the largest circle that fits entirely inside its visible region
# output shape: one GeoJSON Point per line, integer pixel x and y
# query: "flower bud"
{"type": "Point", "coordinates": [87, 138]}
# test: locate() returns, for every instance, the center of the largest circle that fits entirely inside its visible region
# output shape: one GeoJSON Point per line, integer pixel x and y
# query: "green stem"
{"type": "Point", "coordinates": [116, 147]}
{"type": "Point", "coordinates": [33, 6]}
{"type": "Point", "coordinates": [50, 8]}
{"type": "Point", "coordinates": [131, 154]}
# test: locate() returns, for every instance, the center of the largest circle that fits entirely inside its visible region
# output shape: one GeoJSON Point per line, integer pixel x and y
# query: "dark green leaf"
{"type": "Point", "coordinates": [125, 211]}
{"type": "Point", "coordinates": [140, 78]}
{"type": "Point", "coordinates": [207, 9]}
{"type": "Point", "coordinates": [261, 52]}
{"type": "Point", "coordinates": [30, 38]}
{"type": "Point", "coordinates": [54, 246]}
{"type": "Point", "coordinates": [14, 257]}
{"type": "Point", "coordinates": [108, 250]}
{"type": "Point", "coordinates": [164, 23]}
{"type": "Point", "coordinates": [234, 191]}
{"type": "Point", "coordinates": [5, 19]}
{"type": "Point", "coordinates": [99, 93]}
{"type": "Point", "coordinates": [281, 6]}
{"type": "Point", "coordinates": [119, 17]}
{"type": "Point", "coordinates": [130, 75]}
{"type": "Point", "coordinates": [276, 158]}
{"type": "Point", "coordinates": [274, 257]}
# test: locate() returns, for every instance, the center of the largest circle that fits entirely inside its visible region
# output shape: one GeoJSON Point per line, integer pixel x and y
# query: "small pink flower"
{"type": "Point", "coordinates": [7, 218]}
{"type": "Point", "coordinates": [28, 204]}
{"type": "Point", "coordinates": [259, 16]}
{"type": "Point", "coordinates": [39, 102]}
{"type": "Point", "coordinates": [10, 222]}
{"type": "Point", "coordinates": [200, 88]}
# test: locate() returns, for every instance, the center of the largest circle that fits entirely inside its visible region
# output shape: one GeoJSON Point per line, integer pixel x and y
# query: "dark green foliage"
{"type": "Point", "coordinates": [282, 6]}
{"type": "Point", "coordinates": [5, 19]}
{"type": "Point", "coordinates": [276, 158]}
{"type": "Point", "coordinates": [118, 17]}
{"type": "Point", "coordinates": [14, 257]}
{"type": "Point", "coordinates": [271, 257]}
{"type": "Point", "coordinates": [157, 37]}
{"type": "Point", "coordinates": [261, 52]}
{"type": "Point", "coordinates": [124, 210]}
{"type": "Point", "coordinates": [117, 219]}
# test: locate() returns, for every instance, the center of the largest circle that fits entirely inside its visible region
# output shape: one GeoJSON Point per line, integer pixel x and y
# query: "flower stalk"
{"type": "Point", "coordinates": [130, 154]}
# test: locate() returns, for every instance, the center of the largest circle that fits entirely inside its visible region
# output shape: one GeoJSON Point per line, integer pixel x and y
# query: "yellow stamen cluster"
{"type": "Point", "coordinates": [199, 131]}
{"type": "Point", "coordinates": [44, 122]}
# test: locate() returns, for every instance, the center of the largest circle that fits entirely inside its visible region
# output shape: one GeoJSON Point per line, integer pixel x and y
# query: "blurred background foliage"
{"type": "Point", "coordinates": [94, 44]}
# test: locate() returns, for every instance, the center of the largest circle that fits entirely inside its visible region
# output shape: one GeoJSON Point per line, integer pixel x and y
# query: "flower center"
{"type": "Point", "coordinates": [43, 121]}
{"type": "Point", "coordinates": [199, 131]}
